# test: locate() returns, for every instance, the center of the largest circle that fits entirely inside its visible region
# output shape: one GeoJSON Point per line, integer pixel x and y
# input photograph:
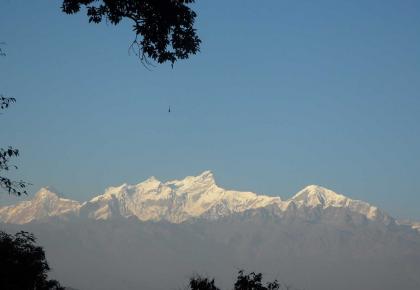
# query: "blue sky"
{"type": "Point", "coordinates": [283, 94]}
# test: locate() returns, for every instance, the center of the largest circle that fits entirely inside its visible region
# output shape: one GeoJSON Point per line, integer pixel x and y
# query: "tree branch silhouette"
{"type": "Point", "coordinates": [164, 29]}
{"type": "Point", "coordinates": [14, 187]}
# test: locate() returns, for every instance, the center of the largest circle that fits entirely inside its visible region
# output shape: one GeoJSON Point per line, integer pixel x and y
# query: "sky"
{"type": "Point", "coordinates": [283, 94]}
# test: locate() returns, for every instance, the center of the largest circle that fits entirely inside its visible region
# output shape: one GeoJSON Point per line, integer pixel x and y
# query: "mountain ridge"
{"type": "Point", "coordinates": [177, 201]}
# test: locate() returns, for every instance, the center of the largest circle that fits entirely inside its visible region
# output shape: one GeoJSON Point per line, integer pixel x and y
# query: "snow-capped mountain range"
{"type": "Point", "coordinates": [154, 234]}
{"type": "Point", "coordinates": [178, 201]}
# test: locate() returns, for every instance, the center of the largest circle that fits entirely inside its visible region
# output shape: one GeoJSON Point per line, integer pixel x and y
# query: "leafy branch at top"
{"type": "Point", "coordinates": [164, 29]}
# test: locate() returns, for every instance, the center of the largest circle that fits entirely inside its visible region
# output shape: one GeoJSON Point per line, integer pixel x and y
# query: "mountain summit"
{"type": "Point", "coordinates": [177, 201]}
{"type": "Point", "coordinates": [44, 204]}
{"type": "Point", "coordinates": [315, 195]}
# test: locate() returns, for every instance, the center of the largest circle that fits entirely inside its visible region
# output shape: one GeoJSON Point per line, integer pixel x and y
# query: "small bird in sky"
{"type": "Point", "coordinates": [169, 110]}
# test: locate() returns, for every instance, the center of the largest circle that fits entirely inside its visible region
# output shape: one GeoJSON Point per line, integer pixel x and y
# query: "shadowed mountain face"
{"type": "Point", "coordinates": [154, 235]}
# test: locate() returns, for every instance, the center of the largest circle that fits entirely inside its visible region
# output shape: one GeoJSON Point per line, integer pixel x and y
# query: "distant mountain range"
{"type": "Point", "coordinates": [154, 234]}
{"type": "Point", "coordinates": [178, 201]}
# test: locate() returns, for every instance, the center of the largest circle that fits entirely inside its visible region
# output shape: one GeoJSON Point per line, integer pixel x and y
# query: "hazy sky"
{"type": "Point", "coordinates": [283, 94]}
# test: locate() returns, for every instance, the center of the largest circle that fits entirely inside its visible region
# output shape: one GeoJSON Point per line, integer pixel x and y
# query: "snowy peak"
{"type": "Point", "coordinates": [150, 183]}
{"type": "Point", "coordinates": [207, 177]}
{"type": "Point", "coordinates": [315, 195]}
{"type": "Point", "coordinates": [204, 180]}
{"type": "Point", "coordinates": [45, 194]}
{"type": "Point", "coordinates": [45, 203]}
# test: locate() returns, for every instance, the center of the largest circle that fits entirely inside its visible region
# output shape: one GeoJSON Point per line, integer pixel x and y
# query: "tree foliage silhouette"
{"type": "Point", "coordinates": [201, 283]}
{"type": "Point", "coordinates": [23, 264]}
{"type": "Point", "coordinates": [6, 154]}
{"type": "Point", "coordinates": [251, 281]}
{"type": "Point", "coordinates": [164, 29]}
